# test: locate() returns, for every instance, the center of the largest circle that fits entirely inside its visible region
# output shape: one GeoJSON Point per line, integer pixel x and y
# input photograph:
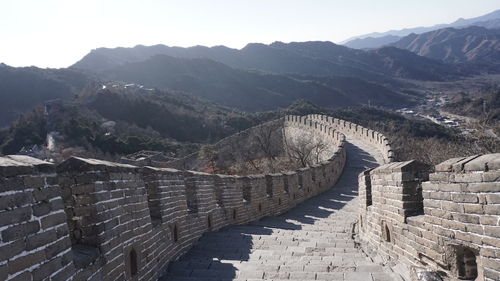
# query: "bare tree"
{"type": "Point", "coordinates": [305, 149]}
{"type": "Point", "coordinates": [267, 140]}
{"type": "Point", "coordinates": [254, 151]}
{"type": "Point", "coordinates": [209, 153]}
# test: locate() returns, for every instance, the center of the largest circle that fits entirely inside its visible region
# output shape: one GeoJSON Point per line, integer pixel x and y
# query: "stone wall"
{"type": "Point", "coordinates": [35, 242]}
{"type": "Point", "coordinates": [240, 147]}
{"type": "Point", "coordinates": [447, 221]}
{"type": "Point", "coordinates": [90, 219]}
{"type": "Point", "coordinates": [357, 131]}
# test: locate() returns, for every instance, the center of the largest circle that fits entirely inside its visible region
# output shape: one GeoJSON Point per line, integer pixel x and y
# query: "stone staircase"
{"type": "Point", "coordinates": [313, 241]}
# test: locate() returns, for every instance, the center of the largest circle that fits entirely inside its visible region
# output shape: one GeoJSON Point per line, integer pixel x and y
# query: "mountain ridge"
{"type": "Point", "coordinates": [470, 44]}
{"type": "Point", "coordinates": [318, 58]}
{"type": "Point", "coordinates": [245, 90]}
{"type": "Point", "coordinates": [490, 20]}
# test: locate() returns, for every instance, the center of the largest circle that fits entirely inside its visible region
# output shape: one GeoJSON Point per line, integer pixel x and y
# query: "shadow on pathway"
{"type": "Point", "coordinates": [310, 242]}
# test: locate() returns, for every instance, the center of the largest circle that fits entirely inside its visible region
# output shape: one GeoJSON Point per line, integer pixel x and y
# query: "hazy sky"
{"type": "Point", "coordinates": [57, 33]}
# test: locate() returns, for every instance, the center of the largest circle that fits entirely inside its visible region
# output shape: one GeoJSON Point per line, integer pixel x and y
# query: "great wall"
{"type": "Point", "coordinates": [89, 219]}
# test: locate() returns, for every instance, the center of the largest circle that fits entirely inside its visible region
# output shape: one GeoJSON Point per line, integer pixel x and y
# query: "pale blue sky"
{"type": "Point", "coordinates": [57, 33]}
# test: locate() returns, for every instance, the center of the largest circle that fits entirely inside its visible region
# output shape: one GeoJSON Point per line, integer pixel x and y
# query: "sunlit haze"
{"type": "Point", "coordinates": [57, 33]}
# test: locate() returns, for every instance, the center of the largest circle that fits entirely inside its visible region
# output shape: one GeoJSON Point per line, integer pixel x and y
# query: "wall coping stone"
{"type": "Point", "coordinates": [405, 166]}
{"type": "Point", "coordinates": [13, 165]}
{"type": "Point", "coordinates": [255, 176]}
{"type": "Point", "coordinates": [454, 164]}
{"type": "Point", "coordinates": [152, 170]}
{"type": "Point", "coordinates": [484, 163]}
{"type": "Point", "coordinates": [74, 164]}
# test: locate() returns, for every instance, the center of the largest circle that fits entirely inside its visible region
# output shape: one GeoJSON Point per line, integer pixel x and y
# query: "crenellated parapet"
{"type": "Point", "coordinates": [352, 130]}
{"type": "Point", "coordinates": [447, 221]}
{"type": "Point", "coordinates": [89, 219]}
{"type": "Point", "coordinates": [35, 241]}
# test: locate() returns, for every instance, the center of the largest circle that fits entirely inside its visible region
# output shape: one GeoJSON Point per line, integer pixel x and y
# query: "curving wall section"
{"type": "Point", "coordinates": [229, 148]}
{"type": "Point", "coordinates": [89, 219]}
{"type": "Point", "coordinates": [359, 132]}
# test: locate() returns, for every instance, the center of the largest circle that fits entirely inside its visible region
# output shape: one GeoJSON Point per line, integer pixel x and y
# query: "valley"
{"type": "Point", "coordinates": [243, 140]}
{"type": "Point", "coordinates": [119, 101]}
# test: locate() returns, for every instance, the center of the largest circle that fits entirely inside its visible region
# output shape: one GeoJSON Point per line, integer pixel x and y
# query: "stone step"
{"type": "Point", "coordinates": [187, 268]}
{"type": "Point", "coordinates": [296, 275]}
{"type": "Point", "coordinates": [311, 242]}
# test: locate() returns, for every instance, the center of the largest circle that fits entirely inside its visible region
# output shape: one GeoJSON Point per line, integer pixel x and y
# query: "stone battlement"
{"type": "Point", "coordinates": [357, 131]}
{"type": "Point", "coordinates": [89, 219]}
{"type": "Point", "coordinates": [447, 221]}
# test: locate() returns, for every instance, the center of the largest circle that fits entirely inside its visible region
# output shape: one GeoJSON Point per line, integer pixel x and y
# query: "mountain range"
{"type": "Point", "coordinates": [470, 44]}
{"type": "Point", "coordinates": [248, 90]}
{"type": "Point", "coordinates": [263, 77]}
{"type": "Point", "coordinates": [308, 58]}
{"type": "Point", "coordinates": [379, 39]}
{"type": "Point", "coordinates": [171, 99]}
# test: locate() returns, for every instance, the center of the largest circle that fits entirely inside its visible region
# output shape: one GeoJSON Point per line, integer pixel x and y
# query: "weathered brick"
{"type": "Point", "coordinates": [464, 198]}
{"type": "Point", "coordinates": [58, 247]}
{"type": "Point", "coordinates": [491, 264]}
{"type": "Point", "coordinates": [492, 210]}
{"type": "Point", "coordinates": [8, 184]}
{"type": "Point", "coordinates": [489, 220]}
{"type": "Point", "coordinates": [34, 181]}
{"type": "Point", "coordinates": [4, 272]}
{"type": "Point", "coordinates": [491, 241]}
{"type": "Point", "coordinates": [26, 261]}
{"type": "Point", "coordinates": [53, 220]}
{"type": "Point", "coordinates": [493, 199]}
{"type": "Point", "coordinates": [14, 200]}
{"type": "Point", "coordinates": [17, 215]}
{"type": "Point", "coordinates": [473, 209]}
{"type": "Point", "coordinates": [8, 250]}
{"type": "Point", "coordinates": [468, 177]}
{"type": "Point", "coordinates": [40, 239]}
{"type": "Point", "coordinates": [493, 231]}
{"type": "Point", "coordinates": [452, 207]}
{"type": "Point", "coordinates": [492, 176]}
{"type": "Point", "coordinates": [46, 269]}
{"type": "Point", "coordinates": [484, 187]}
{"type": "Point", "coordinates": [22, 277]}
{"type": "Point", "coordinates": [20, 231]}
{"type": "Point", "coordinates": [41, 209]}
{"type": "Point", "coordinates": [466, 218]}
{"type": "Point", "coordinates": [65, 274]}
{"type": "Point", "coordinates": [491, 275]}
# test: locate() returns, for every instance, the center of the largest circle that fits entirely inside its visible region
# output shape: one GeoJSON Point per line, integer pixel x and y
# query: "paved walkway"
{"type": "Point", "coordinates": [313, 241]}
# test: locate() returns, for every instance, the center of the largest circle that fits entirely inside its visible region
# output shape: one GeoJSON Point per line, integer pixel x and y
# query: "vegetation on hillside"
{"type": "Point", "coordinates": [110, 123]}
{"type": "Point", "coordinates": [418, 139]}
{"type": "Point", "coordinates": [250, 90]}
{"type": "Point", "coordinates": [485, 107]}
{"type": "Point", "coordinates": [23, 88]}
{"type": "Point", "coordinates": [422, 140]}
{"type": "Point", "coordinates": [83, 132]}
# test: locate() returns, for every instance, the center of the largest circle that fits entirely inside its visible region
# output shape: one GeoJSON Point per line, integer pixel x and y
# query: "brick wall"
{"type": "Point", "coordinates": [90, 219]}
{"type": "Point", "coordinates": [34, 243]}
{"type": "Point", "coordinates": [447, 221]}
{"type": "Point", "coordinates": [227, 148]}
{"type": "Point", "coordinates": [357, 131]}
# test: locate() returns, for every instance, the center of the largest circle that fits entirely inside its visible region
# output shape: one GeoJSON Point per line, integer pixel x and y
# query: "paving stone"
{"type": "Point", "coordinates": [370, 268]}
{"type": "Point", "coordinates": [310, 242]}
{"type": "Point", "coordinates": [378, 276]}
{"type": "Point", "coordinates": [358, 276]}
{"type": "Point", "coordinates": [330, 276]}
